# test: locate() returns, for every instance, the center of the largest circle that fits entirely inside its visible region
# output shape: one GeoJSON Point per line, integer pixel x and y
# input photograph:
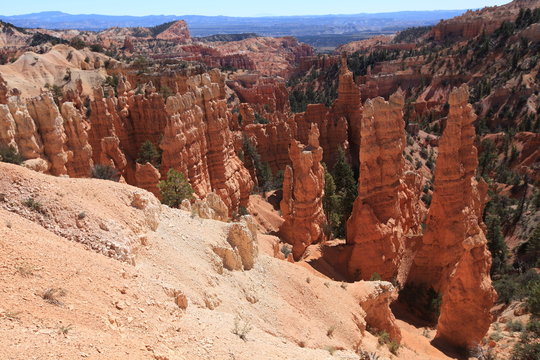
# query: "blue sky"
{"type": "Point", "coordinates": [234, 7]}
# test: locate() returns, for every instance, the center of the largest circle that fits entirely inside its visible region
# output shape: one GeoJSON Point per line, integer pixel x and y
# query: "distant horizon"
{"type": "Point", "coordinates": [237, 16]}
{"type": "Point", "coordinates": [236, 8]}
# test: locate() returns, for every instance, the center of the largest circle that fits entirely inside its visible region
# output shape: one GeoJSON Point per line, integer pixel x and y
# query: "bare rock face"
{"type": "Point", "coordinates": [264, 94]}
{"type": "Point", "coordinates": [211, 207]}
{"type": "Point", "coordinates": [272, 142]}
{"type": "Point", "coordinates": [348, 105]}
{"type": "Point", "coordinates": [453, 259]}
{"type": "Point", "coordinates": [148, 177]}
{"type": "Point", "coordinates": [177, 32]}
{"type": "Point", "coordinates": [76, 128]}
{"type": "Point", "coordinates": [303, 190]}
{"type": "Point", "coordinates": [51, 128]}
{"type": "Point", "coordinates": [184, 142]}
{"type": "Point", "coordinates": [111, 153]}
{"type": "Point", "coordinates": [384, 212]}
{"type": "Point", "coordinates": [198, 142]}
{"type": "Point", "coordinates": [375, 298]}
{"type": "Point", "coordinates": [26, 137]}
{"type": "Point", "coordinates": [334, 130]}
{"type": "Point", "coordinates": [7, 128]}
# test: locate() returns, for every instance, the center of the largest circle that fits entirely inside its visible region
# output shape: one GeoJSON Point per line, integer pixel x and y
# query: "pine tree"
{"type": "Point", "coordinates": [496, 244]}
{"type": "Point", "coordinates": [175, 189]}
{"type": "Point", "coordinates": [346, 187]}
{"type": "Point", "coordinates": [149, 154]}
{"type": "Point", "coordinates": [331, 203]}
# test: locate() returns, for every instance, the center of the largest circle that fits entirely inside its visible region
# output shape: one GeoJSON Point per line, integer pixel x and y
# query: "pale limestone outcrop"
{"type": "Point", "coordinates": [240, 250]}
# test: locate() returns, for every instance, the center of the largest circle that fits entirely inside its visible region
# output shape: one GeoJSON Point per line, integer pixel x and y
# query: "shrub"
{"type": "Point", "coordinates": [175, 189]}
{"type": "Point", "coordinates": [514, 326]}
{"type": "Point", "coordinates": [105, 172]}
{"type": "Point", "coordinates": [383, 337]}
{"type": "Point", "coordinates": [241, 328]}
{"type": "Point", "coordinates": [375, 277]}
{"type": "Point", "coordinates": [393, 346]}
{"type": "Point", "coordinates": [286, 250]}
{"type": "Point", "coordinates": [526, 352]}
{"type": "Point", "coordinates": [51, 295]}
{"type": "Point", "coordinates": [242, 210]}
{"type": "Point", "coordinates": [9, 154]}
{"type": "Point", "coordinates": [33, 204]}
{"type": "Point", "coordinates": [426, 198]}
{"type": "Point", "coordinates": [259, 119]}
{"type": "Point", "coordinates": [330, 331]}
{"type": "Point", "coordinates": [533, 300]}
{"type": "Point", "coordinates": [533, 327]}
{"type": "Point", "coordinates": [77, 43]}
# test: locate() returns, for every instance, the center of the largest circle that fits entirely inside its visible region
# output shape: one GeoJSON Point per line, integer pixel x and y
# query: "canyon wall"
{"type": "Point", "coordinates": [192, 129]}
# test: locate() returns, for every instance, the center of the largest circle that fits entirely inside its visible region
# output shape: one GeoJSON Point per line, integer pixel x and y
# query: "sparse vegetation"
{"type": "Point", "coordinates": [41, 38]}
{"type": "Point", "coordinates": [9, 154]}
{"type": "Point", "coordinates": [241, 328]}
{"type": "Point", "coordinates": [52, 296]}
{"type": "Point", "coordinates": [64, 330]}
{"type": "Point", "coordinates": [105, 172]}
{"type": "Point", "coordinates": [26, 270]}
{"type": "Point", "coordinates": [33, 204]}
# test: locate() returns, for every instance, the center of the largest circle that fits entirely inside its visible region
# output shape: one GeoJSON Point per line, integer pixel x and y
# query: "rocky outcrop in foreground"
{"type": "Point", "coordinates": [303, 190]}
{"type": "Point", "coordinates": [453, 259]}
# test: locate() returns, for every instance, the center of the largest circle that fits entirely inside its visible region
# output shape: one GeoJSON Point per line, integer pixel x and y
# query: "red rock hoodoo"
{"type": "Point", "coordinates": [386, 212]}
{"type": "Point", "coordinates": [303, 190]}
{"type": "Point", "coordinates": [348, 105]}
{"type": "Point", "coordinates": [453, 258]}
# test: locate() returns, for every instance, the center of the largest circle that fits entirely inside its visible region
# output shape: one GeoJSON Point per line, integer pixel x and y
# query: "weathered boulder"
{"type": "Point", "coordinates": [240, 250]}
